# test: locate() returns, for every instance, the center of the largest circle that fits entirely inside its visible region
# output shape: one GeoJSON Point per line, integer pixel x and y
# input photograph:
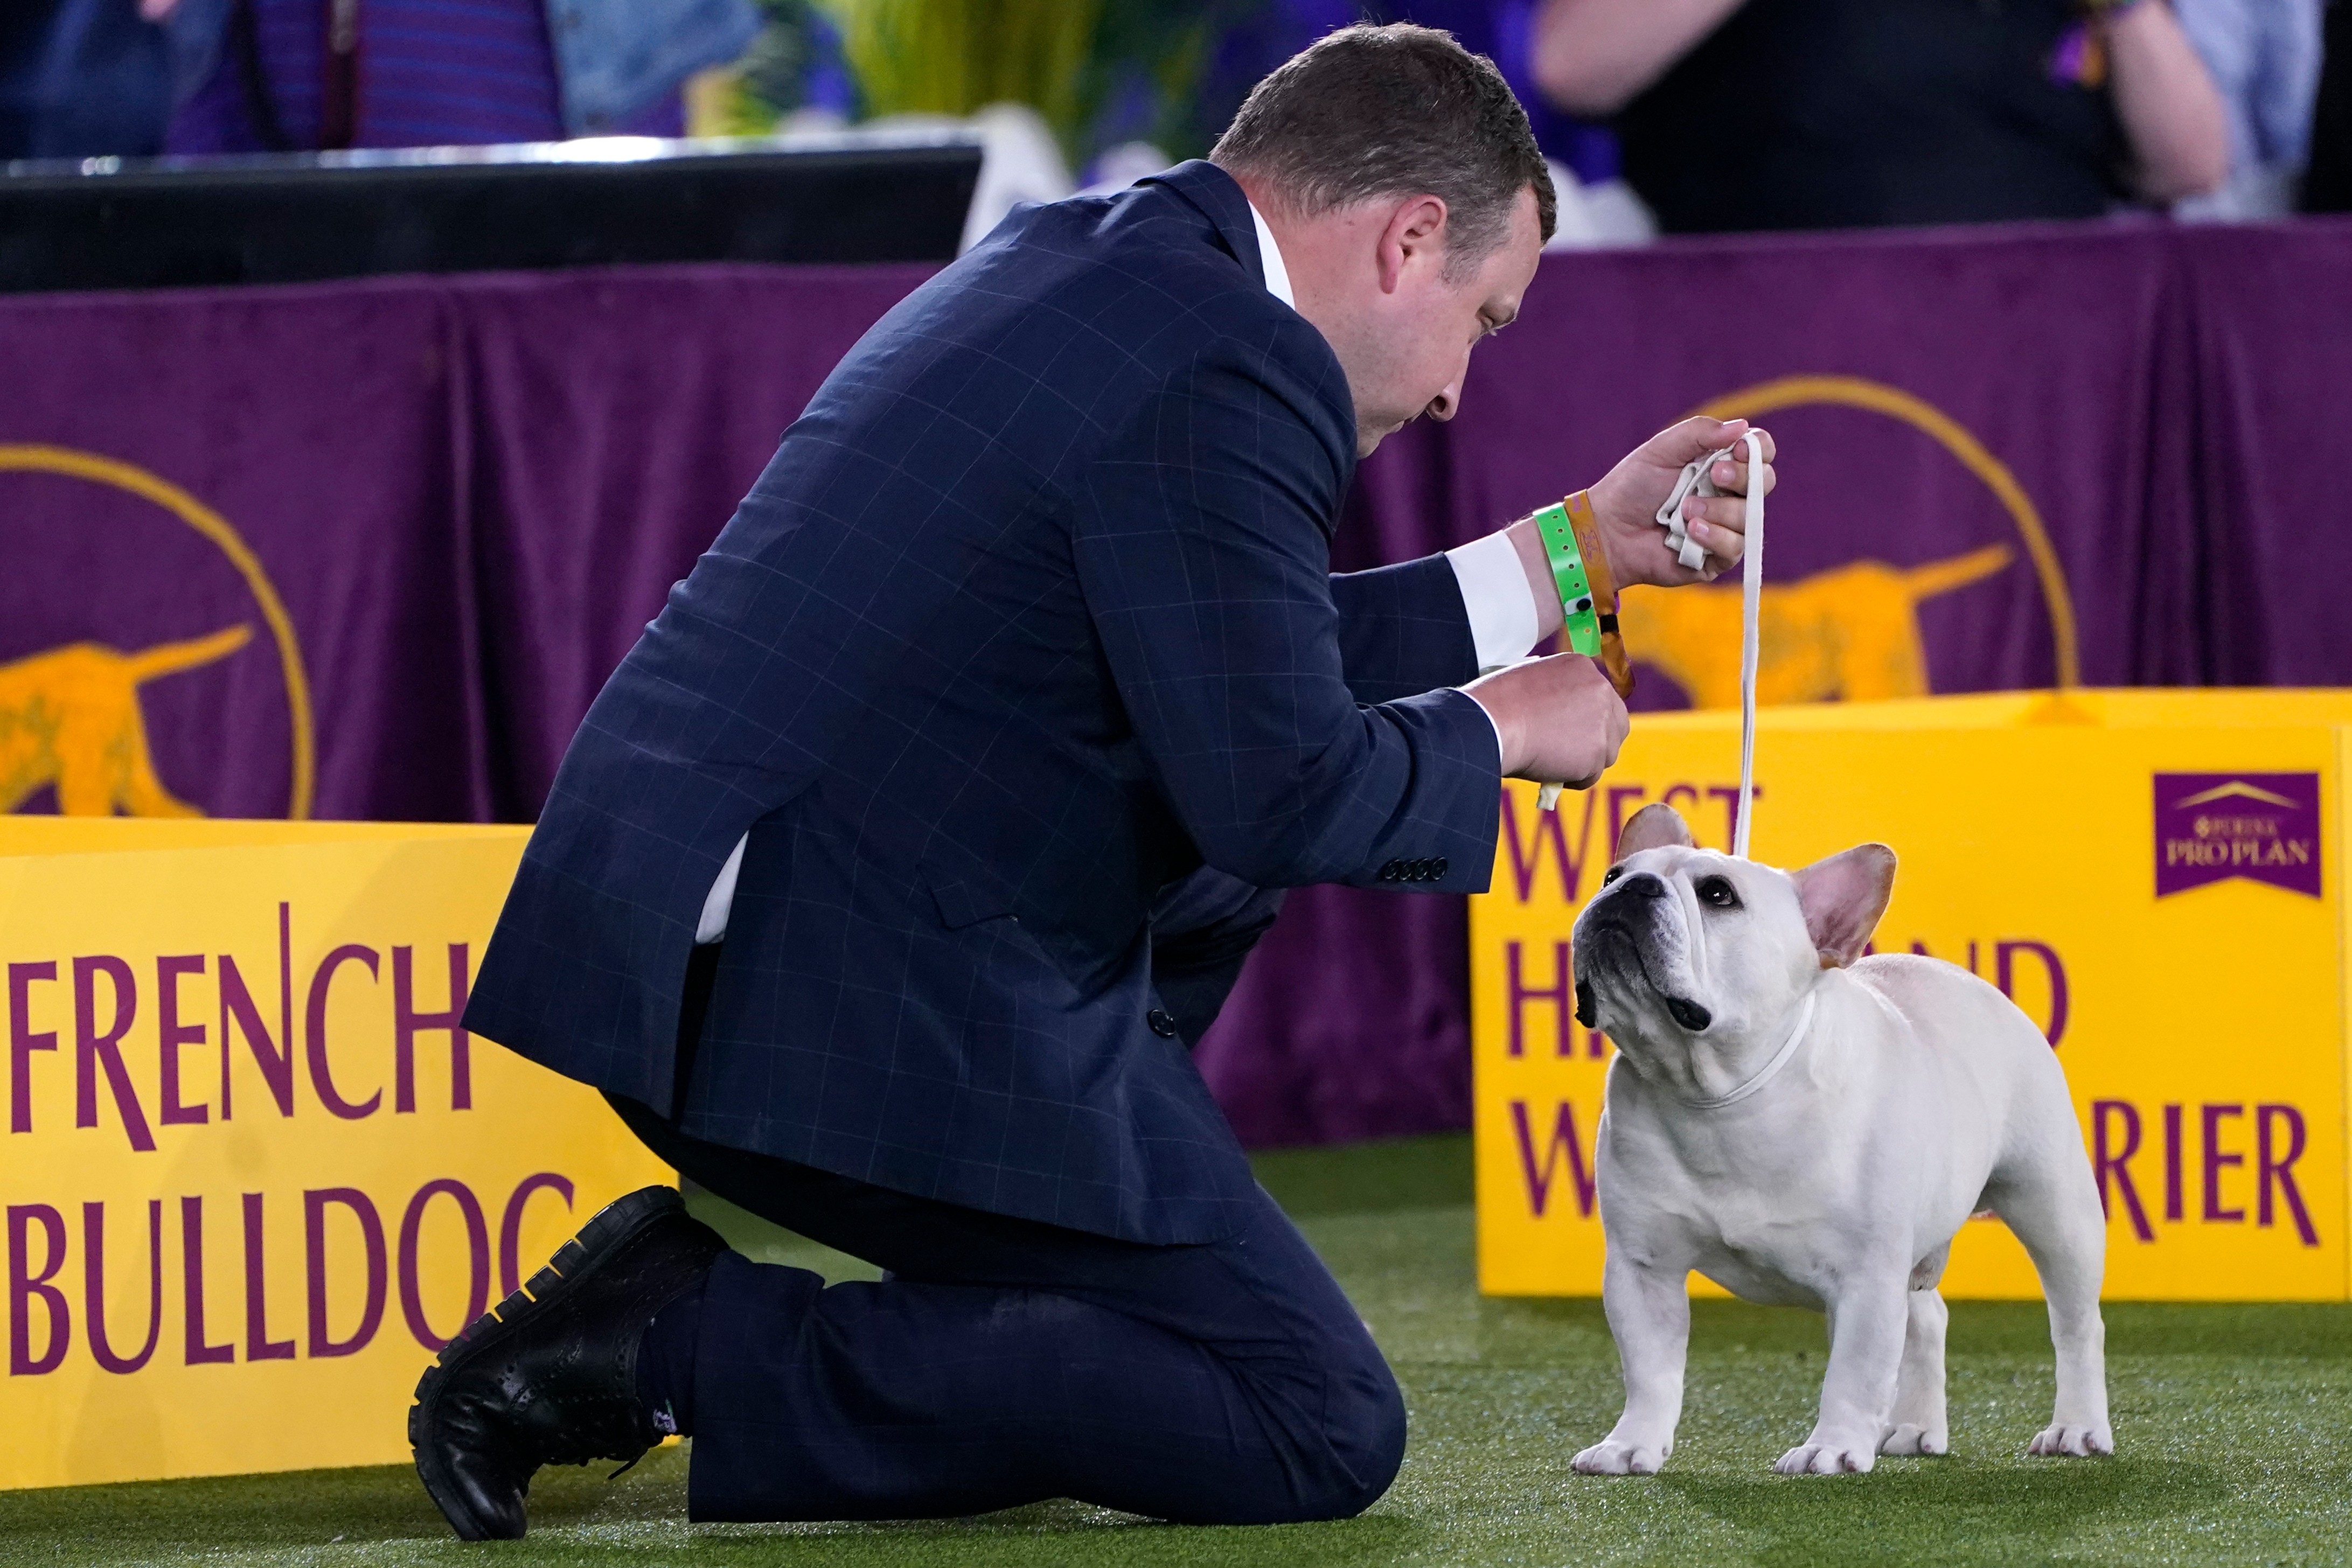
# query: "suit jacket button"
{"type": "Point", "coordinates": [1437, 869]}
{"type": "Point", "coordinates": [1391, 872]}
{"type": "Point", "coordinates": [1163, 1022]}
{"type": "Point", "coordinates": [1421, 870]}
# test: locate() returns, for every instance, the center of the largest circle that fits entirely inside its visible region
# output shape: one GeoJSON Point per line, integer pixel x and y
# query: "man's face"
{"type": "Point", "coordinates": [1404, 333]}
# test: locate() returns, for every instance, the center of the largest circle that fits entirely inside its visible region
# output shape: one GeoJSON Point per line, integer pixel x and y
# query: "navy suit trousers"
{"type": "Point", "coordinates": [1004, 1361]}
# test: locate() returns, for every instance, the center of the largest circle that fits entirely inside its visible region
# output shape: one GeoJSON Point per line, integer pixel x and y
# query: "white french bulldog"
{"type": "Point", "coordinates": [1807, 1130]}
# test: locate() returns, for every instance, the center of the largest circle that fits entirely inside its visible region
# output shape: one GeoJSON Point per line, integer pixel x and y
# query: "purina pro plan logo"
{"type": "Point", "coordinates": [2263, 827]}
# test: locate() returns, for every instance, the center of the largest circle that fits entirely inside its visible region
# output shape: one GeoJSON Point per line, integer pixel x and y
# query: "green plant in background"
{"type": "Point", "coordinates": [774, 75]}
{"type": "Point", "coordinates": [777, 76]}
{"type": "Point", "coordinates": [953, 56]}
{"type": "Point", "coordinates": [1142, 76]}
{"type": "Point", "coordinates": [1100, 72]}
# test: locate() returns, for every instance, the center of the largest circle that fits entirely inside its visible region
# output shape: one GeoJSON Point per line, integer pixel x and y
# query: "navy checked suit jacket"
{"type": "Point", "coordinates": [1029, 616]}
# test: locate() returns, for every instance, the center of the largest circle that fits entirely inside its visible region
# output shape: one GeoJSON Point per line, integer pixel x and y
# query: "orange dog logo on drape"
{"type": "Point", "coordinates": [1851, 633]}
{"type": "Point", "coordinates": [71, 717]}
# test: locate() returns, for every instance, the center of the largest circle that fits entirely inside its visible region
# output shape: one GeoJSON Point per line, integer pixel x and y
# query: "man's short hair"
{"type": "Point", "coordinates": [1397, 111]}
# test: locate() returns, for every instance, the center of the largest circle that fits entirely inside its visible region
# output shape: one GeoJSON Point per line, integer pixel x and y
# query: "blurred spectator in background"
{"type": "Point", "coordinates": [1728, 114]}
{"type": "Point", "coordinates": [1782, 114]}
{"type": "Point", "coordinates": [256, 76]}
{"type": "Point", "coordinates": [1595, 205]}
{"type": "Point", "coordinates": [2327, 183]}
{"type": "Point", "coordinates": [2264, 57]}
{"type": "Point", "coordinates": [80, 78]}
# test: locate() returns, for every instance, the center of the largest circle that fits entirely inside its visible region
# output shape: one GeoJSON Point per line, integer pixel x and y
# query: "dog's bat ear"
{"type": "Point", "coordinates": [1843, 897]}
{"type": "Point", "coordinates": [1655, 826]}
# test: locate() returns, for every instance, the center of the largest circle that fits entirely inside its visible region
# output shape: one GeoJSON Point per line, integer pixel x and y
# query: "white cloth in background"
{"type": "Point", "coordinates": [1596, 218]}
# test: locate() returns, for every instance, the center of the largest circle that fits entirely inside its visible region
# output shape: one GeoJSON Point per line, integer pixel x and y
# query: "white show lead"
{"type": "Point", "coordinates": [1695, 480]}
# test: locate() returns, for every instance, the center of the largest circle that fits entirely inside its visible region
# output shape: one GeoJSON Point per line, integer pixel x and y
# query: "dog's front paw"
{"type": "Point", "coordinates": [2061, 1441]}
{"type": "Point", "coordinates": [1909, 1442]}
{"type": "Point", "coordinates": [1610, 1458]}
{"type": "Point", "coordinates": [1818, 1457]}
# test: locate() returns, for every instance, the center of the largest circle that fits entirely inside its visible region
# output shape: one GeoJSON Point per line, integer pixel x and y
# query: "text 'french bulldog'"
{"type": "Point", "coordinates": [1806, 1126]}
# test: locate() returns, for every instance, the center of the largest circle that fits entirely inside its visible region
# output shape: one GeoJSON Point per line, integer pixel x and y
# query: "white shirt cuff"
{"type": "Point", "coordinates": [1496, 593]}
{"type": "Point", "coordinates": [721, 903]}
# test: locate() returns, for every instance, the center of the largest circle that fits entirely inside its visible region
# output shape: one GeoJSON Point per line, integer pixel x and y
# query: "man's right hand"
{"type": "Point", "coordinates": [1559, 720]}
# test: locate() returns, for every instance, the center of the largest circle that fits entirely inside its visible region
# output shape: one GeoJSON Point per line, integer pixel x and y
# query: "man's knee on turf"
{"type": "Point", "coordinates": [1374, 1448]}
{"type": "Point", "coordinates": [1351, 1456]}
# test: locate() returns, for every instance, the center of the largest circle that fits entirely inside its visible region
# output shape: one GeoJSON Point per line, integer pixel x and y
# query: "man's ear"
{"type": "Point", "coordinates": [1655, 826]}
{"type": "Point", "coordinates": [1417, 227]}
{"type": "Point", "coordinates": [1843, 897]}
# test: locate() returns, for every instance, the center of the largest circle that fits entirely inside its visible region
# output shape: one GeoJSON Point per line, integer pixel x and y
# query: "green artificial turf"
{"type": "Point", "coordinates": [2230, 1424]}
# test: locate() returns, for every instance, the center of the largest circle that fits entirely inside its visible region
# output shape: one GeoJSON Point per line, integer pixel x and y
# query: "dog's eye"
{"type": "Point", "coordinates": [1613, 872]}
{"type": "Point", "coordinates": [1717, 891]}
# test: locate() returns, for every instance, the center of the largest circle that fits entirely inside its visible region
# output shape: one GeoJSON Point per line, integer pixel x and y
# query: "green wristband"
{"type": "Point", "coordinates": [1567, 574]}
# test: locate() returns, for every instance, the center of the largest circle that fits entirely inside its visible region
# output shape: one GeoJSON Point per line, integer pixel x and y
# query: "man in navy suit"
{"type": "Point", "coordinates": [892, 874]}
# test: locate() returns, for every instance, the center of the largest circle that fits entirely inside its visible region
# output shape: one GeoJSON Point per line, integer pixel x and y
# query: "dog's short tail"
{"type": "Point", "coordinates": [171, 658]}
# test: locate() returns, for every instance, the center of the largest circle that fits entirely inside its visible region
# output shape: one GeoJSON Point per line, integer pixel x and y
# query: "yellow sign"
{"type": "Point", "coordinates": [254, 1174]}
{"type": "Point", "coordinates": [2155, 877]}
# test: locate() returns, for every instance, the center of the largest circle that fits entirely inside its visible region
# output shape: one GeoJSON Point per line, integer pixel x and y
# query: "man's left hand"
{"type": "Point", "coordinates": [1625, 503]}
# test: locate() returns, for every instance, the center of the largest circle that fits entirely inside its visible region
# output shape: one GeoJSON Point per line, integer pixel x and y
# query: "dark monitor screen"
{"type": "Point", "coordinates": [298, 217]}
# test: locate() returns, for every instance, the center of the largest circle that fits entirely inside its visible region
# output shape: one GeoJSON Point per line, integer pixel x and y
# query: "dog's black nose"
{"type": "Point", "coordinates": [1646, 886]}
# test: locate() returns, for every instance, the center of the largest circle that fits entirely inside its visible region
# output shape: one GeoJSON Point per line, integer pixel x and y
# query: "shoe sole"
{"type": "Point", "coordinates": [574, 1263]}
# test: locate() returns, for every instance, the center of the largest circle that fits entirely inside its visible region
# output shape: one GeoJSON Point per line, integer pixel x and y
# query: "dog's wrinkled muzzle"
{"type": "Point", "coordinates": [1632, 911]}
{"type": "Point", "coordinates": [1685, 1012]}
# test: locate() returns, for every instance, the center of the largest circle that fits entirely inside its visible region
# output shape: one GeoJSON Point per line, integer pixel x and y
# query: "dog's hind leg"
{"type": "Point", "coordinates": [1649, 1317]}
{"type": "Point", "coordinates": [2055, 1210]}
{"type": "Point", "coordinates": [138, 789]}
{"type": "Point", "coordinates": [1918, 1423]}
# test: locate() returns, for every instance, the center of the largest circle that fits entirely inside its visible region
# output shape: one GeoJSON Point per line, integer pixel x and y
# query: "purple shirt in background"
{"type": "Point", "coordinates": [432, 73]}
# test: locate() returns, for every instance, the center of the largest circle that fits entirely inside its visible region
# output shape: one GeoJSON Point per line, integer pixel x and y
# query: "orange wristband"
{"type": "Point", "coordinates": [1614, 658]}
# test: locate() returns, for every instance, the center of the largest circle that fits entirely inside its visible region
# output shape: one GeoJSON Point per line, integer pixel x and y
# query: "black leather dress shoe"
{"type": "Point", "coordinates": [548, 1377]}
